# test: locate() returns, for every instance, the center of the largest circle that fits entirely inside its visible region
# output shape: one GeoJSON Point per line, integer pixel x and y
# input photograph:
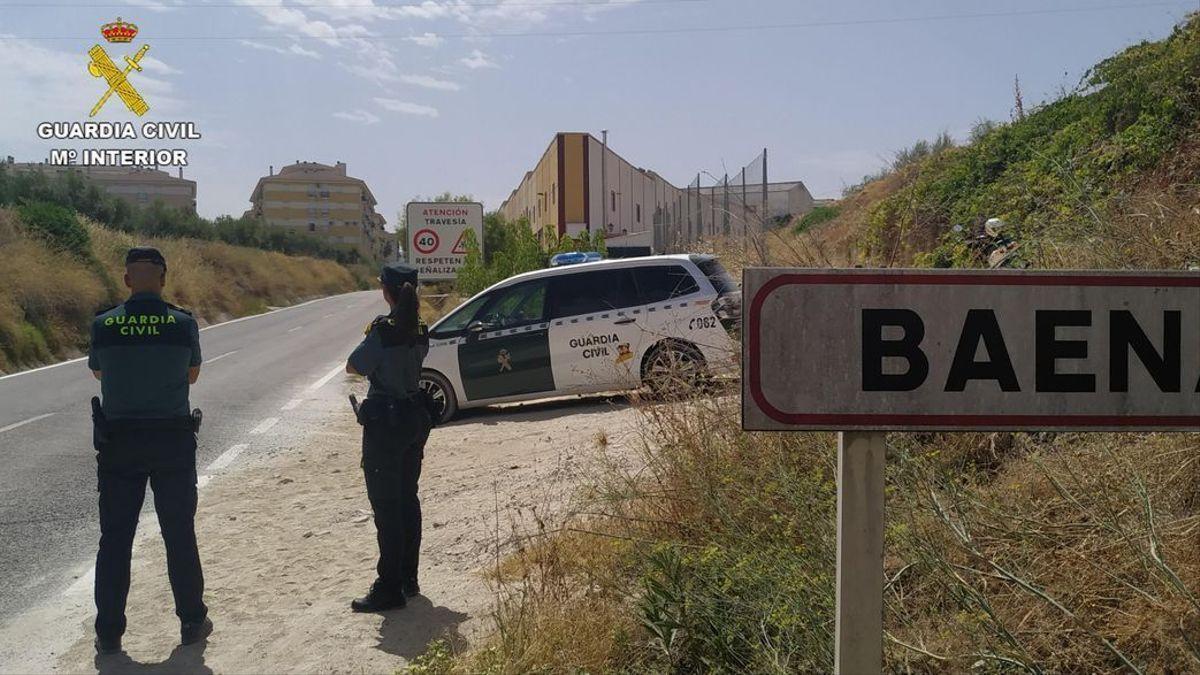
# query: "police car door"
{"type": "Point", "coordinates": [594, 330]}
{"type": "Point", "coordinates": [506, 351]}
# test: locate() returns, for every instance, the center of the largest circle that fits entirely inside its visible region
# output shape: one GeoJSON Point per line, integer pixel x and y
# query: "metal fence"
{"type": "Point", "coordinates": [714, 206]}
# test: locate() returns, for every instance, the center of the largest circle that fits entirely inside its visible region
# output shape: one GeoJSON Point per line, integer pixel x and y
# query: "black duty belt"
{"type": "Point", "coordinates": [150, 424]}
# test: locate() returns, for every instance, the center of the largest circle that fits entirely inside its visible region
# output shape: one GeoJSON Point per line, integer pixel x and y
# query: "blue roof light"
{"type": "Point", "coordinates": [574, 258]}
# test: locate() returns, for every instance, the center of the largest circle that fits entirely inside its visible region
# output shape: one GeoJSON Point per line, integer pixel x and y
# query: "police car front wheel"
{"type": "Point", "coordinates": [674, 368]}
{"type": "Point", "coordinates": [438, 388]}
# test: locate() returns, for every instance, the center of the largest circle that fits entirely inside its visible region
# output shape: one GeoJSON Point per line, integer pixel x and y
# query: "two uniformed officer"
{"type": "Point", "coordinates": [146, 353]}
{"type": "Point", "coordinates": [396, 423]}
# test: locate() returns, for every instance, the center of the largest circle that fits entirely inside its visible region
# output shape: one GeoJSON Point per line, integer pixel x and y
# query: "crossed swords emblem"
{"type": "Point", "coordinates": [118, 81]}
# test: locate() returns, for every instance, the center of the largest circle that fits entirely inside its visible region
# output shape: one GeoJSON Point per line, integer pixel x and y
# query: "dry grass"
{"type": "Point", "coordinates": [47, 297]}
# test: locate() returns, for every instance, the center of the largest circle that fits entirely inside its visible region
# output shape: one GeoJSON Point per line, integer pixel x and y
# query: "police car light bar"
{"type": "Point", "coordinates": [574, 258]}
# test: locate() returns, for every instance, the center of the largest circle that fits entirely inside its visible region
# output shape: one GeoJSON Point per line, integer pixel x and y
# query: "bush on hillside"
{"type": "Point", "coordinates": [819, 215]}
{"type": "Point", "coordinates": [1063, 163]}
{"type": "Point", "coordinates": [58, 226]}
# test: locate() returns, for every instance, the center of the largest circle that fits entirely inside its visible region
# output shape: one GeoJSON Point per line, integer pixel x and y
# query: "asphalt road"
{"type": "Point", "coordinates": [253, 366]}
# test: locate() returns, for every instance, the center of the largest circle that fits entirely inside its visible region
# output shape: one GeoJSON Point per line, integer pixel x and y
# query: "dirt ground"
{"type": "Point", "coordinates": [287, 541]}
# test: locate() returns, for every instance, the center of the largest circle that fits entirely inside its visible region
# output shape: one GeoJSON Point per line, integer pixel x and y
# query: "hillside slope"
{"type": "Point", "coordinates": [1105, 176]}
{"type": "Point", "coordinates": [53, 280]}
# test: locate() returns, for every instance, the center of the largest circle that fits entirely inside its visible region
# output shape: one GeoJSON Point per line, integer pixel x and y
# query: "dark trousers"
{"type": "Point", "coordinates": [123, 472]}
{"type": "Point", "coordinates": [392, 466]}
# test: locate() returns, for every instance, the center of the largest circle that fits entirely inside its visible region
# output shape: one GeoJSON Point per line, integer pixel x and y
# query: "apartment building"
{"type": "Point", "coordinates": [323, 201]}
{"type": "Point", "coordinates": [579, 184]}
{"type": "Point", "coordinates": [139, 186]}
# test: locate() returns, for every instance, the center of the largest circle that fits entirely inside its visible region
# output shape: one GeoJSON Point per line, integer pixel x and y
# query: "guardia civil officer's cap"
{"type": "Point", "coordinates": [145, 254]}
{"type": "Point", "coordinates": [397, 274]}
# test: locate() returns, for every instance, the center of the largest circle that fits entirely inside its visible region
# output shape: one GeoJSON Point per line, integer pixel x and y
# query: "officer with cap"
{"type": "Point", "coordinates": [396, 423]}
{"type": "Point", "coordinates": [146, 354]}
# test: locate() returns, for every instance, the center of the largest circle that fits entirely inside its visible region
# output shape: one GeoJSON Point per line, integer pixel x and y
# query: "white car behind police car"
{"type": "Point", "coordinates": [585, 328]}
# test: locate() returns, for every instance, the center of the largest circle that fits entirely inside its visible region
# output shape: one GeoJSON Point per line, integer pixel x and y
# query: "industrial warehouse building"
{"type": "Point", "coordinates": [322, 201]}
{"type": "Point", "coordinates": [581, 185]}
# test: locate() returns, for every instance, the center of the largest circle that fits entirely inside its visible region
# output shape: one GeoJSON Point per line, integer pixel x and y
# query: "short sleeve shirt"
{"type": "Point", "coordinates": [143, 349]}
{"type": "Point", "coordinates": [390, 360]}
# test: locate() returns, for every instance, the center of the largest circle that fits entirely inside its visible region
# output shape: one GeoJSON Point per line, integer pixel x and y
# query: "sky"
{"type": "Point", "coordinates": [419, 97]}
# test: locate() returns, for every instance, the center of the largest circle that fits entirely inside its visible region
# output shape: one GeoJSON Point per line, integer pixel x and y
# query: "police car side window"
{"type": "Point", "coordinates": [459, 319]}
{"type": "Point", "coordinates": [663, 282]}
{"type": "Point", "coordinates": [516, 306]}
{"type": "Point", "coordinates": [592, 292]}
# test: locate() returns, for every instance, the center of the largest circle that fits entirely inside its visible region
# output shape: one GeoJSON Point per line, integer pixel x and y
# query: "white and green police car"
{"type": "Point", "coordinates": [584, 328]}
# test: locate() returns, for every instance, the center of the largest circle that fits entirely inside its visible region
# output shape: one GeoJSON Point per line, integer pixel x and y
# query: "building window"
{"type": "Point", "coordinates": [613, 196]}
{"type": "Point", "coordinates": [638, 208]}
{"type": "Point", "coordinates": [312, 227]}
{"type": "Point", "coordinates": [143, 197]}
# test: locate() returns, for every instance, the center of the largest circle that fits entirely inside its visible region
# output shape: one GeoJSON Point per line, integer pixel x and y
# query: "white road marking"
{"type": "Point", "coordinates": [292, 404]}
{"type": "Point", "coordinates": [293, 330]}
{"type": "Point", "coordinates": [264, 426]}
{"type": "Point", "coordinates": [326, 316]}
{"type": "Point", "coordinates": [215, 325]}
{"type": "Point", "coordinates": [227, 457]}
{"type": "Point", "coordinates": [24, 422]}
{"type": "Point", "coordinates": [218, 358]}
{"type": "Point", "coordinates": [328, 376]}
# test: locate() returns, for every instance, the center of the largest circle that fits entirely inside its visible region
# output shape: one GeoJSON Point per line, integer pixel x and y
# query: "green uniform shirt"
{"type": "Point", "coordinates": [143, 349]}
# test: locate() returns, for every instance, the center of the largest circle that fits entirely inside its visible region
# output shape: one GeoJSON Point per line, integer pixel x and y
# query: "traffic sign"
{"type": "Point", "coordinates": [437, 232]}
{"type": "Point", "coordinates": [868, 351]}
{"type": "Point", "coordinates": [947, 350]}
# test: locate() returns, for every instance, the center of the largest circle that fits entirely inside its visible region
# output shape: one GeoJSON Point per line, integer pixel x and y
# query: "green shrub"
{"type": "Point", "coordinates": [819, 215]}
{"type": "Point", "coordinates": [58, 226]}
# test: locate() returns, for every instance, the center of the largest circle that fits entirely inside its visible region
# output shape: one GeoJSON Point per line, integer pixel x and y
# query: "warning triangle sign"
{"type": "Point", "coordinates": [460, 247]}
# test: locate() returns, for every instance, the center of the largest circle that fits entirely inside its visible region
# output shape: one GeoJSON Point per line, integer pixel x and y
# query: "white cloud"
{"type": "Point", "coordinates": [360, 116]}
{"type": "Point", "coordinates": [406, 107]}
{"type": "Point", "coordinates": [426, 40]}
{"type": "Point", "coordinates": [430, 82]}
{"type": "Point", "coordinates": [292, 50]}
{"type": "Point", "coordinates": [477, 59]}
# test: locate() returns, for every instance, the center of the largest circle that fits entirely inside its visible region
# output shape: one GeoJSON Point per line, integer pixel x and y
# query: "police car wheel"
{"type": "Point", "coordinates": [442, 393]}
{"type": "Point", "coordinates": [674, 369]}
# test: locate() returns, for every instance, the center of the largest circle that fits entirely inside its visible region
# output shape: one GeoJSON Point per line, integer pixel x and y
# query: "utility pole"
{"type": "Point", "coordinates": [604, 180]}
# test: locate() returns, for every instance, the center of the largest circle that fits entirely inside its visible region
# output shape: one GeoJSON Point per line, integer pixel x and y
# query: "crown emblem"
{"type": "Point", "coordinates": [119, 31]}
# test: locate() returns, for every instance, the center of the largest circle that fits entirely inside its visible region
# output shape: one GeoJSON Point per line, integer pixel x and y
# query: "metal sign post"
{"type": "Point", "coordinates": [859, 618]}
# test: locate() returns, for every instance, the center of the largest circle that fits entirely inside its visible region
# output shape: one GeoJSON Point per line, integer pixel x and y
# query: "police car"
{"type": "Point", "coordinates": [584, 328]}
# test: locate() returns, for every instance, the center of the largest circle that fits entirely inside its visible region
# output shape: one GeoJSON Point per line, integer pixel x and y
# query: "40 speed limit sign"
{"type": "Point", "coordinates": [437, 236]}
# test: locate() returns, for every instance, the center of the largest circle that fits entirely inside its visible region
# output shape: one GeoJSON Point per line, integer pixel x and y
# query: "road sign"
{"type": "Point", "coordinates": [867, 351]}
{"type": "Point", "coordinates": [947, 350]}
{"type": "Point", "coordinates": [436, 236]}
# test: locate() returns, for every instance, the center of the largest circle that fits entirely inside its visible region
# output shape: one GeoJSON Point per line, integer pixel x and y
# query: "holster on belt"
{"type": "Point", "coordinates": [99, 424]}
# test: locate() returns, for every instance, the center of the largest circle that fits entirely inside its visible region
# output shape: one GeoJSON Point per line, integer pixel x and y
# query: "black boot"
{"type": "Point", "coordinates": [108, 646]}
{"type": "Point", "coordinates": [411, 588]}
{"type": "Point", "coordinates": [190, 633]}
{"type": "Point", "coordinates": [379, 599]}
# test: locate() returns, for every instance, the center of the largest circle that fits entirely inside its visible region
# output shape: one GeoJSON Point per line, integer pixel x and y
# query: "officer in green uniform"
{"type": "Point", "coordinates": [146, 353]}
{"type": "Point", "coordinates": [396, 423]}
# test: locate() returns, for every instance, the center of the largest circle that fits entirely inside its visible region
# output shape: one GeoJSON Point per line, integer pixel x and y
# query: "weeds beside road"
{"type": "Point", "coordinates": [50, 291]}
